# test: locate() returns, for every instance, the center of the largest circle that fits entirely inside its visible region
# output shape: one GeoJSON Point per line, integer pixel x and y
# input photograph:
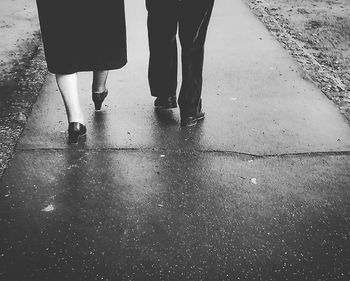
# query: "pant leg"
{"type": "Point", "coordinates": [193, 25]}
{"type": "Point", "coordinates": [162, 25]}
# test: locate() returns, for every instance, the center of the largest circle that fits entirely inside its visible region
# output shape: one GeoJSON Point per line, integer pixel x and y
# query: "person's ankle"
{"type": "Point", "coordinates": [99, 90]}
{"type": "Point", "coordinates": [77, 120]}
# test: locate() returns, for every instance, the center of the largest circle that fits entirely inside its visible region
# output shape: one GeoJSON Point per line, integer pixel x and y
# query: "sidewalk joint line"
{"type": "Point", "coordinates": [195, 151]}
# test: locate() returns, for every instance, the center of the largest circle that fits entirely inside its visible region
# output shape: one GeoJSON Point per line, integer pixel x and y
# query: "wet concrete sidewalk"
{"type": "Point", "coordinates": [258, 191]}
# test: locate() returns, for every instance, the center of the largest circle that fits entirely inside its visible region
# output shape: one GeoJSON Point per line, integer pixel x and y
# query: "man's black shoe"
{"type": "Point", "coordinates": [189, 121]}
{"type": "Point", "coordinates": [165, 103]}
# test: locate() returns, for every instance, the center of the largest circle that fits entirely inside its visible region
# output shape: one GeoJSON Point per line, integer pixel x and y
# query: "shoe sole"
{"type": "Point", "coordinates": [164, 107]}
{"type": "Point", "coordinates": [192, 122]}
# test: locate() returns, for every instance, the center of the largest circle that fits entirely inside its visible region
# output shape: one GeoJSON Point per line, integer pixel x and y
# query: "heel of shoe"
{"type": "Point", "coordinates": [98, 105]}
{"type": "Point", "coordinates": [98, 99]}
{"type": "Point", "coordinates": [75, 137]}
{"type": "Point", "coordinates": [76, 131]}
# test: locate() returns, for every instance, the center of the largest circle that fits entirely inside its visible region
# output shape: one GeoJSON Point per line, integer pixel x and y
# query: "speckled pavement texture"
{"type": "Point", "coordinates": [259, 190]}
{"type": "Point", "coordinates": [102, 215]}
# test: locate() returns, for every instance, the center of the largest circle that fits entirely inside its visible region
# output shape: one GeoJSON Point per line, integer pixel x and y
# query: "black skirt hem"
{"type": "Point", "coordinates": [111, 66]}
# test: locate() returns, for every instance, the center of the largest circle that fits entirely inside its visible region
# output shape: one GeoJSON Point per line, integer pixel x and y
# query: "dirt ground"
{"type": "Point", "coordinates": [317, 34]}
{"type": "Point", "coordinates": [19, 35]}
{"type": "Point", "coordinates": [22, 71]}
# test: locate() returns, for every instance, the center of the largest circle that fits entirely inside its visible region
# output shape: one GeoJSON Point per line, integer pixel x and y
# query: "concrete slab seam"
{"type": "Point", "coordinates": [194, 152]}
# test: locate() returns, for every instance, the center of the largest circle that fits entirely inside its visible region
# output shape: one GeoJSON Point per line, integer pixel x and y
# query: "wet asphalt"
{"type": "Point", "coordinates": [257, 191]}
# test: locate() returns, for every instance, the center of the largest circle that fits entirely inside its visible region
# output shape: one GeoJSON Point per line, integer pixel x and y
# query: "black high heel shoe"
{"type": "Point", "coordinates": [75, 131]}
{"type": "Point", "coordinates": [98, 99]}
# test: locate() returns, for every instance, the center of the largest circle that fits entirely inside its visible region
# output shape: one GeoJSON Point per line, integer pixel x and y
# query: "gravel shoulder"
{"type": "Point", "coordinates": [22, 71]}
{"type": "Point", "coordinates": [19, 33]}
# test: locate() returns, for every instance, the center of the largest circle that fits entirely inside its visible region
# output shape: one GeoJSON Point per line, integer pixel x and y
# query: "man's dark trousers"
{"type": "Point", "coordinates": [191, 18]}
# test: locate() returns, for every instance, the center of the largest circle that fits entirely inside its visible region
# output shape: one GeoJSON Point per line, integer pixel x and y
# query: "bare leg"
{"type": "Point", "coordinates": [99, 81]}
{"type": "Point", "coordinates": [68, 86]}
